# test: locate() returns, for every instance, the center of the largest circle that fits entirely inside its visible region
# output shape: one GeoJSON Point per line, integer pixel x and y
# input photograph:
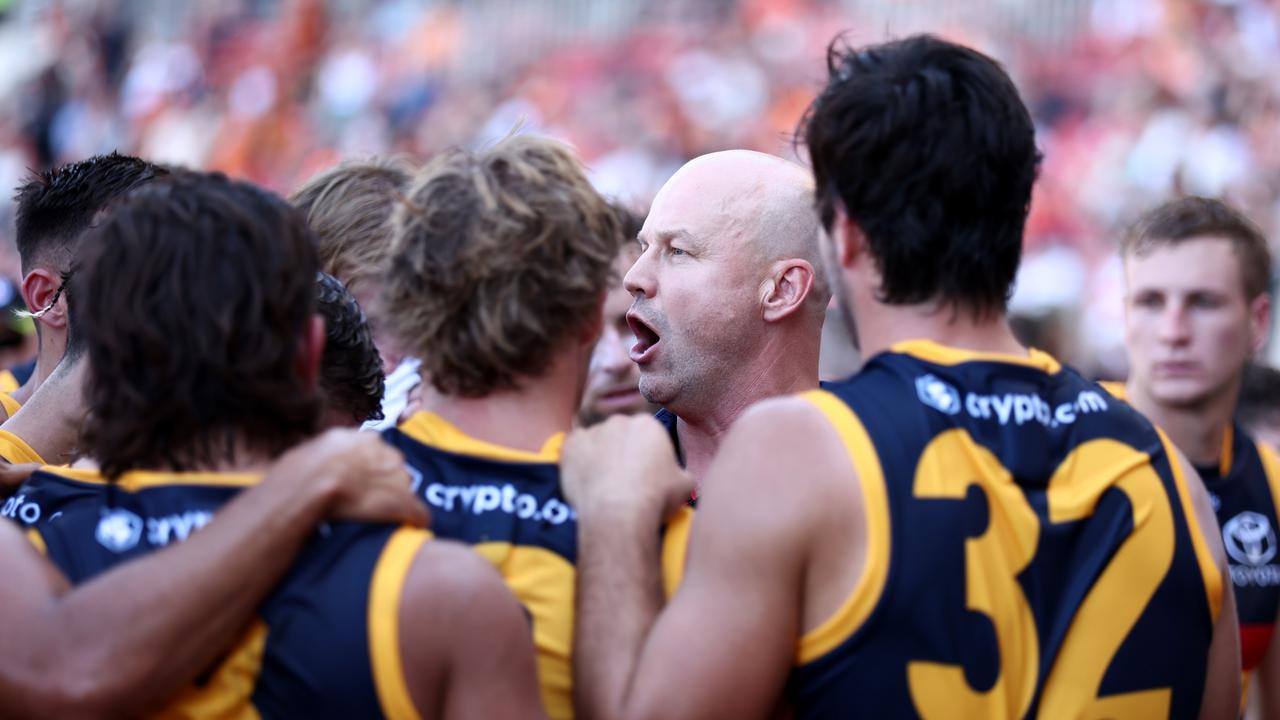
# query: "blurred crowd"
{"type": "Point", "coordinates": [1135, 101]}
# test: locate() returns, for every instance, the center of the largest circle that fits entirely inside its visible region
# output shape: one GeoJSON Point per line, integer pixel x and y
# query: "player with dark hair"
{"type": "Point", "coordinates": [964, 528]}
{"type": "Point", "coordinates": [54, 209]}
{"type": "Point", "coordinates": [1197, 309]}
{"type": "Point", "coordinates": [195, 301]}
{"type": "Point", "coordinates": [501, 260]}
{"type": "Point", "coordinates": [351, 376]}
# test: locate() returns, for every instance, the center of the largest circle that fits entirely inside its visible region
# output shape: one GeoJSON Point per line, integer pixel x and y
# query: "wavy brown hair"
{"type": "Point", "coordinates": [190, 300]}
{"type": "Point", "coordinates": [349, 209]}
{"type": "Point", "coordinates": [497, 257]}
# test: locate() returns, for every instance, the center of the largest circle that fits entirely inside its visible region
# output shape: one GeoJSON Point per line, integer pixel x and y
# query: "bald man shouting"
{"type": "Point", "coordinates": [729, 297]}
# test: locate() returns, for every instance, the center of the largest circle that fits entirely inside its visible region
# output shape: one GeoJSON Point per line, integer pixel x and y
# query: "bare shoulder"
{"type": "Point", "coordinates": [448, 577]}
{"type": "Point", "coordinates": [783, 465]}
{"type": "Point", "coordinates": [789, 436]}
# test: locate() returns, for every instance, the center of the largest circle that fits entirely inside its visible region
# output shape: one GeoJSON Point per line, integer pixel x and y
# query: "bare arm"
{"type": "Point", "coordinates": [1222, 681]}
{"type": "Point", "coordinates": [731, 629]}
{"type": "Point", "coordinates": [475, 659]}
{"type": "Point", "coordinates": [128, 639]}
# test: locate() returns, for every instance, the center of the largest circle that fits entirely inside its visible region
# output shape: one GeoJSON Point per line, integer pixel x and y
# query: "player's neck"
{"type": "Point", "coordinates": [887, 325]}
{"type": "Point", "coordinates": [1197, 430]}
{"type": "Point", "coordinates": [784, 366]}
{"type": "Point", "coordinates": [520, 419]}
{"type": "Point", "coordinates": [47, 359]}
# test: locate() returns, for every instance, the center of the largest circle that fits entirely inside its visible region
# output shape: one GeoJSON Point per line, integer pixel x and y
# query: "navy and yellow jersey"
{"type": "Point", "coordinates": [508, 505]}
{"type": "Point", "coordinates": [11, 406]}
{"type": "Point", "coordinates": [15, 450]}
{"type": "Point", "coordinates": [1244, 486]}
{"type": "Point", "coordinates": [1032, 550]}
{"type": "Point", "coordinates": [8, 382]}
{"type": "Point", "coordinates": [324, 643]}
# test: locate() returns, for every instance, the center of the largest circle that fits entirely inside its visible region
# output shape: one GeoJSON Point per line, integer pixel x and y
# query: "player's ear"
{"type": "Point", "coordinates": [786, 288]}
{"type": "Point", "coordinates": [311, 351]}
{"type": "Point", "coordinates": [1259, 321]}
{"type": "Point", "coordinates": [40, 292]}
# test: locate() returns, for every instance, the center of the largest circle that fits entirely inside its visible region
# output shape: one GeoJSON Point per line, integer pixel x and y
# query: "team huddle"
{"type": "Point", "coordinates": [964, 528]}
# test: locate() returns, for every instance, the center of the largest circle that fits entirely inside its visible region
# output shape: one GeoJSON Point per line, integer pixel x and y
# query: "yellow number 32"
{"type": "Point", "coordinates": [949, 465]}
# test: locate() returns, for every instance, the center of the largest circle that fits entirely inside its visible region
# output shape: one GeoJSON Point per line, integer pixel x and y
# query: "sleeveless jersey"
{"type": "Point", "coordinates": [1244, 487]}
{"type": "Point", "coordinates": [508, 505]}
{"type": "Point", "coordinates": [324, 644]}
{"type": "Point", "coordinates": [1031, 550]}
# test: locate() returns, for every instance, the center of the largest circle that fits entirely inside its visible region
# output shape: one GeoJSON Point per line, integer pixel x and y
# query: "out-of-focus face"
{"type": "Point", "coordinates": [1189, 328]}
{"type": "Point", "coordinates": [613, 381]}
{"type": "Point", "coordinates": [696, 286]}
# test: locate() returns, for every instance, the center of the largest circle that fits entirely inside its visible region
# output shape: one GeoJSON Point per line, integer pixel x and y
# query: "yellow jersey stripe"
{"type": "Point", "coordinates": [8, 383]}
{"type": "Point", "coordinates": [37, 541]}
{"type": "Point", "coordinates": [933, 352]}
{"type": "Point", "coordinates": [1208, 567]}
{"type": "Point", "coordinates": [1117, 389]}
{"type": "Point", "coordinates": [1225, 456]}
{"type": "Point", "coordinates": [432, 430]}
{"type": "Point", "coordinates": [142, 479]}
{"type": "Point", "coordinates": [543, 582]}
{"type": "Point", "coordinates": [384, 623]}
{"type": "Point", "coordinates": [16, 450]}
{"type": "Point", "coordinates": [11, 406]}
{"type": "Point", "coordinates": [675, 548]}
{"type": "Point", "coordinates": [867, 591]}
{"type": "Point", "coordinates": [1271, 467]}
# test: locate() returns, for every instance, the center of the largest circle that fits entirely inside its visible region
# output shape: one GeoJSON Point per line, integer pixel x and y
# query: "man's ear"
{"type": "Point", "coordinates": [311, 351]}
{"type": "Point", "coordinates": [786, 288]}
{"type": "Point", "coordinates": [40, 291]}
{"type": "Point", "coordinates": [1259, 321]}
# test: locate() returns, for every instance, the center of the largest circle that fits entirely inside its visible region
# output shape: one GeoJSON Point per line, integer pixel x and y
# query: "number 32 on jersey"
{"type": "Point", "coordinates": [948, 467]}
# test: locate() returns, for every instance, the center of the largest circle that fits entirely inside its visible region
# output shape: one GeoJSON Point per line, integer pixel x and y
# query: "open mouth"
{"type": "Point", "coordinates": [647, 340]}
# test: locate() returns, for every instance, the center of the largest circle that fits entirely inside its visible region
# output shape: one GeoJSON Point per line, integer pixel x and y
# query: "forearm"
{"type": "Point", "coordinates": [174, 612]}
{"type": "Point", "coordinates": [619, 598]}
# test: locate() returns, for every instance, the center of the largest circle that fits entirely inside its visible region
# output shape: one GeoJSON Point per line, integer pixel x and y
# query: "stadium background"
{"type": "Point", "coordinates": [1135, 100]}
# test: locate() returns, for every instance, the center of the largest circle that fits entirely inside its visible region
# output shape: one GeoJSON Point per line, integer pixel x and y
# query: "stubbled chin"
{"type": "Point", "coordinates": [1180, 392]}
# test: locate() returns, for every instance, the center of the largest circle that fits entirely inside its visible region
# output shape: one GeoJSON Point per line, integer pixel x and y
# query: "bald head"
{"type": "Point", "coordinates": [749, 202]}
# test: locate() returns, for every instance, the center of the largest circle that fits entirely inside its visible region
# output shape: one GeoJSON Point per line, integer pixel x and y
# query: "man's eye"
{"type": "Point", "coordinates": [677, 251]}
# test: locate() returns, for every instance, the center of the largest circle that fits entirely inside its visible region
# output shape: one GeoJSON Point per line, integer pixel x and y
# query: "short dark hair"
{"type": "Point", "coordinates": [928, 148]}
{"type": "Point", "coordinates": [351, 374]}
{"type": "Point", "coordinates": [498, 256]}
{"type": "Point", "coordinates": [1259, 396]}
{"type": "Point", "coordinates": [191, 300]}
{"type": "Point", "coordinates": [1192, 217]}
{"type": "Point", "coordinates": [56, 207]}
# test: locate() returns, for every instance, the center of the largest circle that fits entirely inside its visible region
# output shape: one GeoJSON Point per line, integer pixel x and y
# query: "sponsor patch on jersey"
{"type": "Point", "coordinates": [118, 530]}
{"type": "Point", "coordinates": [1250, 541]}
{"type": "Point", "coordinates": [937, 394]}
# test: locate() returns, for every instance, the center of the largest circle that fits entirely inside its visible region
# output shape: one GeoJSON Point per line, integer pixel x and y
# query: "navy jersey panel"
{"type": "Point", "coordinates": [1030, 420]}
{"type": "Point", "coordinates": [478, 500]}
{"type": "Point", "coordinates": [1246, 510]}
{"type": "Point", "coordinates": [314, 660]}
